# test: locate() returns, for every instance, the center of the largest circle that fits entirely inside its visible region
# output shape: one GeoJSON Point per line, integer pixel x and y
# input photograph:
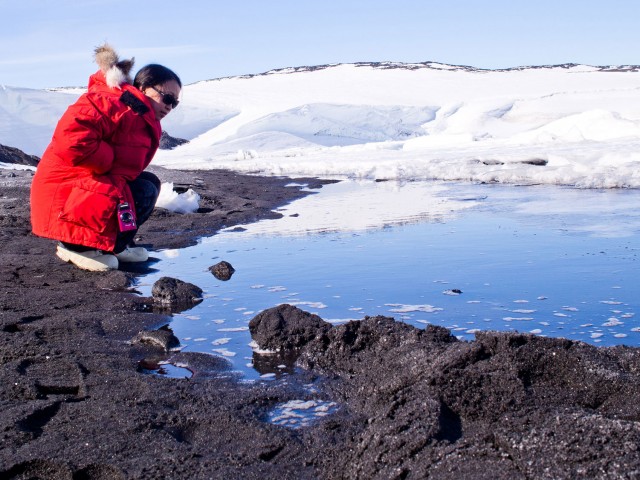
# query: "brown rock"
{"type": "Point", "coordinates": [222, 270]}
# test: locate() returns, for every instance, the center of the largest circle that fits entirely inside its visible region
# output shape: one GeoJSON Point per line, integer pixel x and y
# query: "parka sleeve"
{"type": "Point", "coordinates": [82, 138]}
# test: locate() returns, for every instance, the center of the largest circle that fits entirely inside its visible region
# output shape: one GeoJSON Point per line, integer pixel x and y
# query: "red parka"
{"type": "Point", "coordinates": [106, 138]}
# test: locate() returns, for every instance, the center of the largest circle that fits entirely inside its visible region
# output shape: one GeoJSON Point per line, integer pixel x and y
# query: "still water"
{"type": "Point", "coordinates": [547, 260]}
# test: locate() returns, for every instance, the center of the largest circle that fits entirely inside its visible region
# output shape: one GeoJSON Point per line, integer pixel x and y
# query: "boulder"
{"type": "Point", "coordinates": [171, 292]}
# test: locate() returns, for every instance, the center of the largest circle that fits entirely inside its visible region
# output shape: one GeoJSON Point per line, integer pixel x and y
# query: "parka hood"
{"type": "Point", "coordinates": [116, 72]}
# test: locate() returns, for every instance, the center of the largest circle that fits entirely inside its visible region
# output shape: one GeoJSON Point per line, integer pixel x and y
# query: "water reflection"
{"type": "Point", "coordinates": [164, 368]}
{"type": "Point", "coordinates": [491, 257]}
{"type": "Point", "coordinates": [352, 206]}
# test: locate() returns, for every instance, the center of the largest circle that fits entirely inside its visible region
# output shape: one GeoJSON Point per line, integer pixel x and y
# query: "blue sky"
{"type": "Point", "coordinates": [49, 43]}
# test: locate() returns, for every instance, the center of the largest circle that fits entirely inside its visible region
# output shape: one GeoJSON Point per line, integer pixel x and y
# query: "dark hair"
{"type": "Point", "coordinates": [152, 75]}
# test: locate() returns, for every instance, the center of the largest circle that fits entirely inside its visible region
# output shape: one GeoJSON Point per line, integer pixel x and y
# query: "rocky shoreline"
{"type": "Point", "coordinates": [411, 403]}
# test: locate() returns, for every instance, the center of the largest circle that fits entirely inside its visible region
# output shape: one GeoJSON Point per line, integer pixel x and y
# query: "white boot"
{"type": "Point", "coordinates": [133, 255]}
{"type": "Point", "coordinates": [92, 260]}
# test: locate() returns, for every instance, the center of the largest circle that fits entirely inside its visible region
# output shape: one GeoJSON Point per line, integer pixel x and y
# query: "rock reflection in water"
{"type": "Point", "coordinates": [164, 369]}
{"type": "Point", "coordinates": [278, 364]}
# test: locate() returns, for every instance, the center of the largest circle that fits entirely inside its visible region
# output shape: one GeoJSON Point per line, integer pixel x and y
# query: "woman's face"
{"type": "Point", "coordinates": [159, 94]}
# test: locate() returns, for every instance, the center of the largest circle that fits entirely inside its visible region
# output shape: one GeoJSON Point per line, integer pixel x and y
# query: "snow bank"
{"type": "Point", "coordinates": [569, 125]}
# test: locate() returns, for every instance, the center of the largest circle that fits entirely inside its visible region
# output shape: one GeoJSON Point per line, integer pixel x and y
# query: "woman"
{"type": "Point", "coordinates": [90, 191]}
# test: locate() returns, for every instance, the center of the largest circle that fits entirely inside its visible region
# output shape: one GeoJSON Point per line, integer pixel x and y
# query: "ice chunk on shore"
{"type": "Point", "coordinates": [187, 202]}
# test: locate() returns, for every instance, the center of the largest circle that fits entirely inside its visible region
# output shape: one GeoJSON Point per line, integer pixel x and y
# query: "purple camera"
{"type": "Point", "coordinates": [126, 217]}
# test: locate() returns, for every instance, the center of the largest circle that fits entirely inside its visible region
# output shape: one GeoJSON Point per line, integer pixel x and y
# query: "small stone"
{"type": "Point", "coordinates": [222, 270]}
{"type": "Point", "coordinates": [453, 291]}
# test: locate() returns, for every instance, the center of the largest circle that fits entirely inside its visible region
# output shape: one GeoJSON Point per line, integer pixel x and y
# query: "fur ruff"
{"type": "Point", "coordinates": [116, 71]}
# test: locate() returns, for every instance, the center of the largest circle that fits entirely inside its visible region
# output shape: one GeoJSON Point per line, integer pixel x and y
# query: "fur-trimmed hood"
{"type": "Point", "coordinates": [116, 71]}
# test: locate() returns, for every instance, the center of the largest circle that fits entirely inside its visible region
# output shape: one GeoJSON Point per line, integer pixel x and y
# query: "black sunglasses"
{"type": "Point", "coordinates": [168, 98]}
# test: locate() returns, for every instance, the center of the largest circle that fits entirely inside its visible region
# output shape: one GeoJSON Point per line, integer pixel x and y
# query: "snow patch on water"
{"type": "Point", "coordinates": [300, 413]}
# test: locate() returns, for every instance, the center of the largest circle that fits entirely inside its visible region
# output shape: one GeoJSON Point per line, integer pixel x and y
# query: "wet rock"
{"type": "Point", "coordinates": [286, 327]}
{"type": "Point", "coordinates": [162, 338]}
{"type": "Point", "coordinates": [222, 270]}
{"type": "Point", "coordinates": [165, 368]}
{"type": "Point", "coordinates": [171, 292]}
{"type": "Point", "coordinates": [150, 364]}
{"type": "Point", "coordinates": [202, 365]}
{"type": "Point", "coordinates": [275, 363]}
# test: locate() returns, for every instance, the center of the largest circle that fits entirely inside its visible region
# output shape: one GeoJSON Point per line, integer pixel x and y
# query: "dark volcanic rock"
{"type": "Point", "coordinates": [285, 327]}
{"type": "Point", "coordinates": [531, 398]}
{"type": "Point", "coordinates": [538, 162]}
{"type": "Point", "coordinates": [17, 156]}
{"type": "Point", "coordinates": [171, 292]}
{"type": "Point", "coordinates": [508, 405]}
{"type": "Point", "coordinates": [363, 340]}
{"type": "Point", "coordinates": [222, 270]}
{"type": "Point", "coordinates": [167, 142]}
{"type": "Point", "coordinates": [162, 338]}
